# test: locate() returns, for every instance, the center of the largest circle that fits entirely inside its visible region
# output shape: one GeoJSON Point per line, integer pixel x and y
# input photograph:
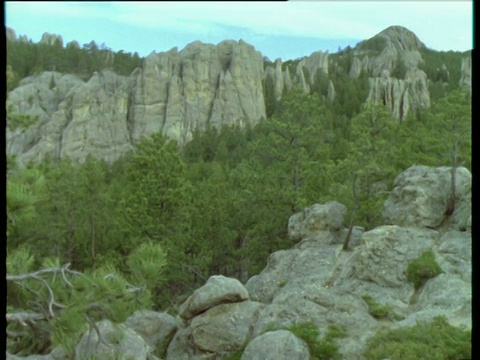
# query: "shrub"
{"type": "Point", "coordinates": [423, 268]}
{"type": "Point", "coordinates": [434, 340]}
{"type": "Point", "coordinates": [319, 349]}
{"type": "Point", "coordinates": [379, 311]}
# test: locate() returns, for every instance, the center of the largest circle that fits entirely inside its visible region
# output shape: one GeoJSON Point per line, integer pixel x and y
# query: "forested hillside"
{"type": "Point", "coordinates": [150, 227]}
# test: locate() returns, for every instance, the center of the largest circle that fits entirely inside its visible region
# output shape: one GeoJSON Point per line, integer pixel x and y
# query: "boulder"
{"type": "Point", "coordinates": [317, 220]}
{"type": "Point", "coordinates": [309, 261]}
{"type": "Point", "coordinates": [276, 345]}
{"type": "Point", "coordinates": [182, 348]}
{"type": "Point", "coordinates": [454, 254]}
{"type": "Point", "coordinates": [156, 328]}
{"type": "Point", "coordinates": [450, 295]}
{"type": "Point", "coordinates": [387, 251]}
{"type": "Point", "coordinates": [420, 194]}
{"type": "Point", "coordinates": [218, 290]}
{"type": "Point", "coordinates": [116, 342]}
{"type": "Point", "coordinates": [224, 328]}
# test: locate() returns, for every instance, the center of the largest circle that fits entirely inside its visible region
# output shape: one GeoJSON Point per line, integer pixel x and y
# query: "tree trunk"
{"type": "Point", "coordinates": [354, 214]}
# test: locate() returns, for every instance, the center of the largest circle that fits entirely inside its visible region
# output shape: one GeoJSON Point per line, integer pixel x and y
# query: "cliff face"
{"type": "Point", "coordinates": [174, 92]}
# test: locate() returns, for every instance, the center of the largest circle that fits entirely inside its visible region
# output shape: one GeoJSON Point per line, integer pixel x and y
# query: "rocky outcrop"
{"type": "Point", "coordinates": [157, 329]}
{"type": "Point", "coordinates": [276, 345]}
{"type": "Point", "coordinates": [400, 96]}
{"type": "Point", "coordinates": [420, 195]}
{"type": "Point", "coordinates": [466, 74]}
{"type": "Point", "coordinates": [317, 220]}
{"type": "Point", "coordinates": [75, 119]}
{"type": "Point", "coordinates": [302, 75]}
{"type": "Point", "coordinates": [317, 282]}
{"type": "Point", "coordinates": [10, 34]}
{"type": "Point", "coordinates": [51, 39]}
{"type": "Point", "coordinates": [392, 59]}
{"type": "Point", "coordinates": [112, 341]}
{"type": "Point", "coordinates": [217, 290]}
{"type": "Point", "coordinates": [174, 92]}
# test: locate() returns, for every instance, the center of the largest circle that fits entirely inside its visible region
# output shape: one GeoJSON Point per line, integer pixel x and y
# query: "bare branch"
{"type": "Point", "coordinates": [37, 275]}
{"type": "Point", "coordinates": [24, 317]}
{"type": "Point", "coordinates": [62, 269]}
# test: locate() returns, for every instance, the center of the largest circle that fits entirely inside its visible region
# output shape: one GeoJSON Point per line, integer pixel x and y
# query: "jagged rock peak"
{"type": "Point", "coordinates": [10, 34]}
{"type": "Point", "coordinates": [51, 39]}
{"type": "Point", "coordinates": [401, 38]}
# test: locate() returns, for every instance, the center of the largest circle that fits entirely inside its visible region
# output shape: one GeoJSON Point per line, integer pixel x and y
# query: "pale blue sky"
{"type": "Point", "coordinates": [288, 30]}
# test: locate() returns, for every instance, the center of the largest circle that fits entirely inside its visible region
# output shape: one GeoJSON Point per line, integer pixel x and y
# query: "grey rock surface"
{"type": "Point", "coordinates": [419, 197]}
{"type": "Point", "coordinates": [156, 328]}
{"type": "Point", "coordinates": [217, 290]}
{"type": "Point", "coordinates": [224, 328]}
{"type": "Point", "coordinates": [316, 220]}
{"type": "Point", "coordinates": [276, 345]}
{"type": "Point", "coordinates": [387, 250]}
{"type": "Point", "coordinates": [108, 115]}
{"type": "Point", "coordinates": [119, 342]}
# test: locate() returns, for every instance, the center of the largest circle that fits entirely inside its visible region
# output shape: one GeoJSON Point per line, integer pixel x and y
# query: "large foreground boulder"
{"type": "Point", "coordinates": [112, 341]}
{"type": "Point", "coordinates": [420, 196]}
{"type": "Point", "coordinates": [218, 290]}
{"type": "Point", "coordinates": [276, 345]}
{"type": "Point", "coordinates": [156, 328]}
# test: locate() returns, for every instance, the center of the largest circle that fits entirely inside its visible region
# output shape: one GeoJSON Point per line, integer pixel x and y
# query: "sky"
{"type": "Point", "coordinates": [286, 30]}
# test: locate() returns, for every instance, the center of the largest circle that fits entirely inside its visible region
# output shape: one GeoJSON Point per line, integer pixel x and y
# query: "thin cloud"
{"type": "Point", "coordinates": [442, 25]}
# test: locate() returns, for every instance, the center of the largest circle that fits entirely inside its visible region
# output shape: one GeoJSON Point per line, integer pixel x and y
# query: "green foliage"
{"type": "Point", "coordinates": [375, 44]}
{"type": "Point", "coordinates": [27, 58]}
{"type": "Point", "coordinates": [379, 311]}
{"type": "Point", "coordinates": [422, 269]}
{"type": "Point", "coordinates": [24, 192]}
{"type": "Point", "coordinates": [434, 61]}
{"type": "Point", "coordinates": [433, 340]}
{"type": "Point", "coordinates": [72, 300]}
{"type": "Point", "coordinates": [146, 264]}
{"type": "Point", "coordinates": [20, 121]}
{"type": "Point", "coordinates": [319, 349]}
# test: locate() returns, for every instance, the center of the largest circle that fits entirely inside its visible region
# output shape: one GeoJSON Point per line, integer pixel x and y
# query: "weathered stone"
{"type": "Point", "coordinates": [181, 347]}
{"type": "Point", "coordinates": [420, 194]}
{"type": "Point", "coordinates": [400, 96]}
{"type": "Point", "coordinates": [454, 254]}
{"type": "Point", "coordinates": [173, 92]}
{"type": "Point", "coordinates": [466, 74]}
{"type": "Point", "coordinates": [355, 237]}
{"type": "Point", "coordinates": [51, 39]}
{"type": "Point", "coordinates": [156, 328]}
{"type": "Point", "coordinates": [218, 290]}
{"type": "Point", "coordinates": [276, 345]}
{"type": "Point", "coordinates": [224, 328]}
{"type": "Point", "coordinates": [387, 251]}
{"type": "Point", "coordinates": [316, 220]}
{"type": "Point", "coordinates": [119, 342]}
{"type": "Point", "coordinates": [445, 295]}
{"type": "Point", "coordinates": [10, 34]}
{"type": "Point", "coordinates": [287, 265]}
